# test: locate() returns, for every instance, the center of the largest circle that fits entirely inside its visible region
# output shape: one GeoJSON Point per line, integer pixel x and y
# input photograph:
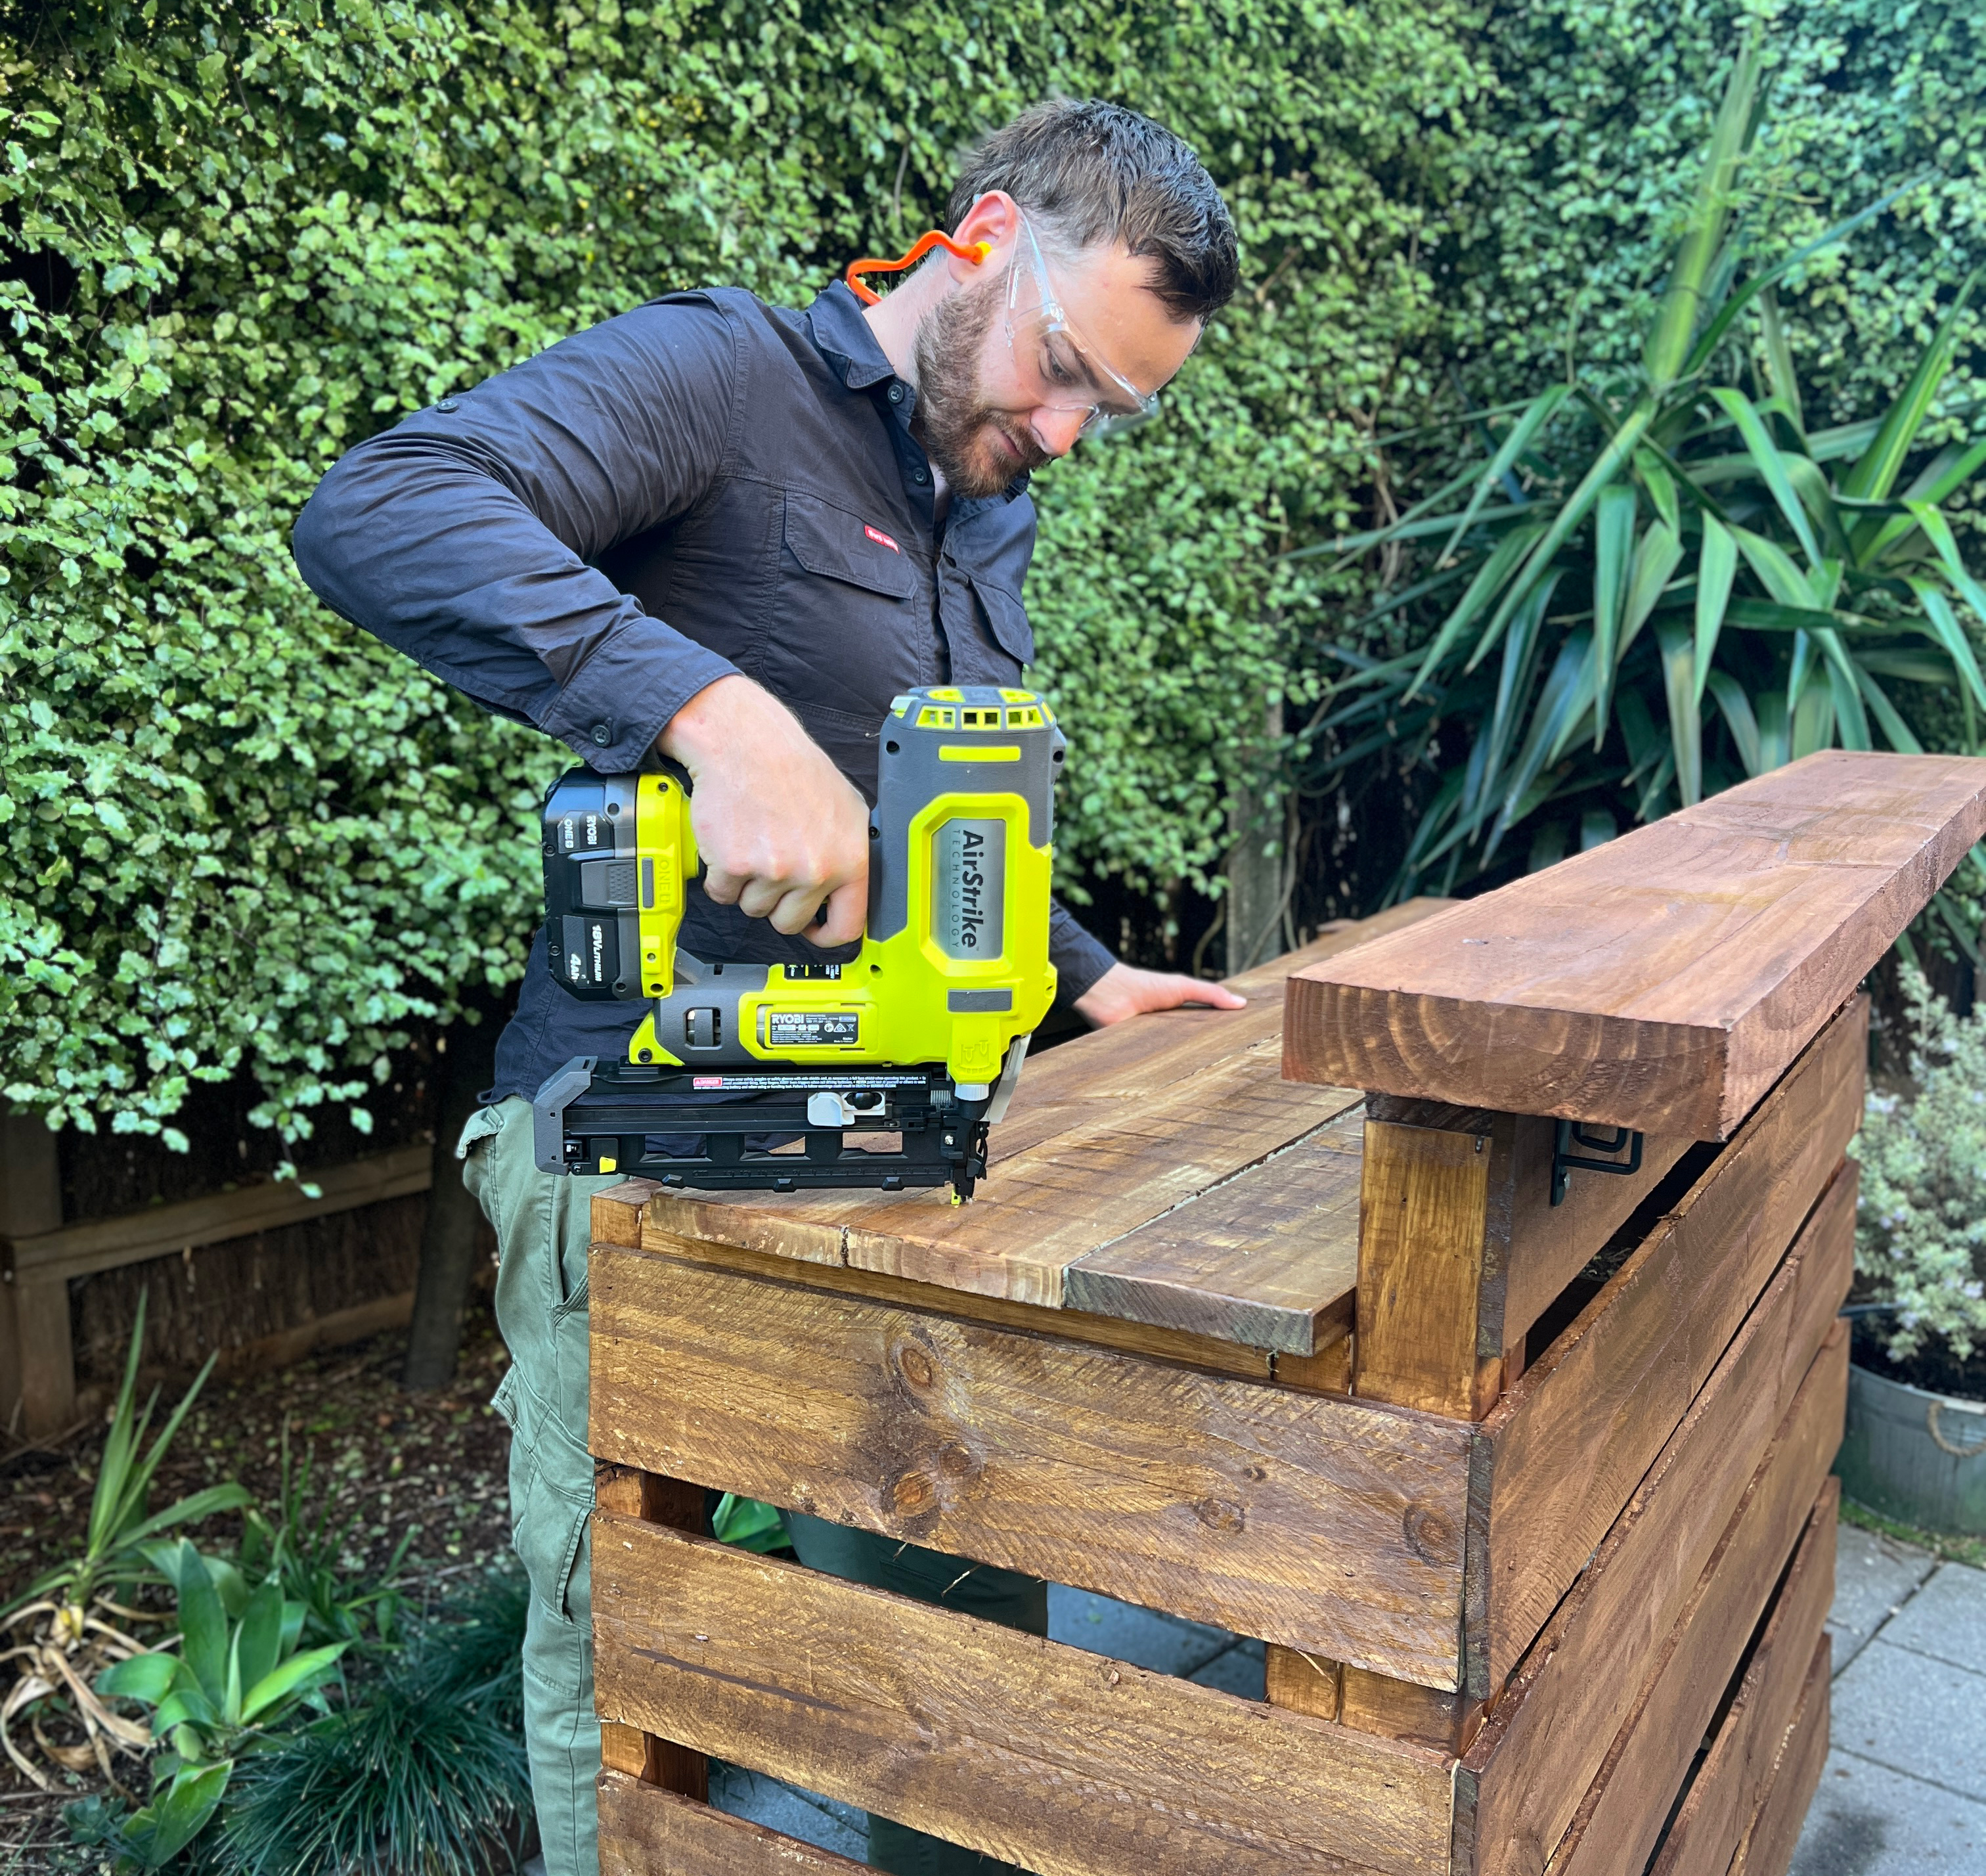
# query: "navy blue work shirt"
{"type": "Point", "coordinates": [705, 485]}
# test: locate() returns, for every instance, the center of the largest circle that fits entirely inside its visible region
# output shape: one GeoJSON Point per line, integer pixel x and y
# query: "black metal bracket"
{"type": "Point", "coordinates": [1565, 1162]}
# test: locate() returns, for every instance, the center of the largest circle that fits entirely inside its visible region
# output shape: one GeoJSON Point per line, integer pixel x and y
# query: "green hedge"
{"type": "Point", "coordinates": [237, 834]}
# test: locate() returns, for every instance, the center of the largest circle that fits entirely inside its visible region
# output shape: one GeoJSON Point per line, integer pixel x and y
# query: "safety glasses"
{"type": "Point", "coordinates": [1058, 368]}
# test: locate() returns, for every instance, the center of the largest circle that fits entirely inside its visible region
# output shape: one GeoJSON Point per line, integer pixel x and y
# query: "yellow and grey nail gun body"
{"type": "Point", "coordinates": [920, 1036]}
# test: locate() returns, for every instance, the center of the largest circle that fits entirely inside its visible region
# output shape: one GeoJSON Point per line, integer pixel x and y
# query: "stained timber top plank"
{"type": "Point", "coordinates": [1664, 980]}
{"type": "Point", "coordinates": [1166, 1155]}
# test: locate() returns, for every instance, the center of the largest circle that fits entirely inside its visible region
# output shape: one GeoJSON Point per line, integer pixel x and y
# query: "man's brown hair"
{"type": "Point", "coordinates": [1091, 174]}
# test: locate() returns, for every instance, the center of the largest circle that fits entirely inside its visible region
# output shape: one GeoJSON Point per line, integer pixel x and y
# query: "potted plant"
{"type": "Point", "coordinates": [1916, 1443]}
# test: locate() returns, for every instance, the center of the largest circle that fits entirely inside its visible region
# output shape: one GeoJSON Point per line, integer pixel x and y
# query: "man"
{"type": "Point", "coordinates": [732, 533]}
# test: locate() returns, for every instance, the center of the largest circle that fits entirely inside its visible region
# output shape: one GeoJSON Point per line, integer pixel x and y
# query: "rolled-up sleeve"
{"type": "Point", "coordinates": [464, 536]}
{"type": "Point", "coordinates": [1078, 958]}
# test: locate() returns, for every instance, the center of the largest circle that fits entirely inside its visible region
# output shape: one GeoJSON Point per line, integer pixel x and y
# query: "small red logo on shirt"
{"type": "Point", "coordinates": [880, 539]}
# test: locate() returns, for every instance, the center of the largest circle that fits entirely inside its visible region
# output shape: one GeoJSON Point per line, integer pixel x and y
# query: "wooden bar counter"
{"type": "Point", "coordinates": [1487, 1368]}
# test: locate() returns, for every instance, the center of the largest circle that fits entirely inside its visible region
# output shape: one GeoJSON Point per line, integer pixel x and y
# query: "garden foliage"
{"type": "Point", "coordinates": [236, 833]}
{"type": "Point", "coordinates": [1920, 1228]}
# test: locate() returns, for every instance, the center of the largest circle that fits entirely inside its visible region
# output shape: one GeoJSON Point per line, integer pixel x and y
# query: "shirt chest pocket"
{"type": "Point", "coordinates": [848, 631]}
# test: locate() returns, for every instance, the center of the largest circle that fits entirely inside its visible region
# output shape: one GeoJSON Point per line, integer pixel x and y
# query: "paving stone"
{"type": "Point", "coordinates": [1242, 1669]}
{"type": "Point", "coordinates": [806, 1815]}
{"type": "Point", "coordinates": [1867, 1820]}
{"type": "Point", "coordinates": [1947, 1618]}
{"type": "Point", "coordinates": [1104, 1626]}
{"type": "Point", "coordinates": [1915, 1715]}
{"type": "Point", "coordinates": [1873, 1577]}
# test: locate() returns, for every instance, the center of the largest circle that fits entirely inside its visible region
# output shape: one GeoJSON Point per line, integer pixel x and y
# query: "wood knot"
{"type": "Point", "coordinates": [915, 1366]}
{"type": "Point", "coordinates": [1219, 1514]}
{"type": "Point", "coordinates": [955, 1462]}
{"type": "Point", "coordinates": [1430, 1534]}
{"type": "Point", "coordinates": [910, 1493]}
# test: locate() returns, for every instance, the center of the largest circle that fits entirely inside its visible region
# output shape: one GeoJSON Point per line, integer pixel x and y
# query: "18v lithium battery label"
{"type": "Point", "coordinates": [812, 1028]}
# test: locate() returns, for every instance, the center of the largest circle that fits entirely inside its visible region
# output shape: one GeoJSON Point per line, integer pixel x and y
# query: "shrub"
{"type": "Point", "coordinates": [1920, 1224]}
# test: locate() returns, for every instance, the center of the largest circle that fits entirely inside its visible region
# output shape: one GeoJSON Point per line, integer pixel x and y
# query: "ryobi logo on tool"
{"type": "Point", "coordinates": [968, 878]}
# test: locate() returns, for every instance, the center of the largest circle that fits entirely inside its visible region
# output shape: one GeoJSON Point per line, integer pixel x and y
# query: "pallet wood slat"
{"type": "Point", "coordinates": [1662, 981]}
{"type": "Point", "coordinates": [647, 1831]}
{"type": "Point", "coordinates": [1327, 1524]}
{"type": "Point", "coordinates": [1548, 1735]}
{"type": "Point", "coordinates": [1769, 1845]}
{"type": "Point", "coordinates": [1269, 1258]}
{"type": "Point", "coordinates": [1107, 1136]}
{"type": "Point", "coordinates": [1728, 1793]}
{"type": "Point", "coordinates": [1531, 1249]}
{"type": "Point", "coordinates": [1578, 1430]}
{"type": "Point", "coordinates": [1621, 1816]}
{"type": "Point", "coordinates": [1065, 1762]}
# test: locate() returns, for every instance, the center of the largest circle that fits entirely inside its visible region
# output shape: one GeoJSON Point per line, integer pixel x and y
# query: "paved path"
{"type": "Point", "coordinates": [1903, 1793]}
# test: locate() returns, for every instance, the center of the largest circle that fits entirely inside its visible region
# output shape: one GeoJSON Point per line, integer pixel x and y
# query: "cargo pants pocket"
{"type": "Point", "coordinates": [547, 1517]}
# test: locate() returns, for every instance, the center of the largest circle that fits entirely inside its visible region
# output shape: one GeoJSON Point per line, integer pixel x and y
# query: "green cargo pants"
{"type": "Point", "coordinates": [543, 1226]}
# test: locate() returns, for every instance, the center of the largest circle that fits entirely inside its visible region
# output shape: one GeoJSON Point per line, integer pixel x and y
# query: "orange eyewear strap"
{"type": "Point", "coordinates": [976, 253]}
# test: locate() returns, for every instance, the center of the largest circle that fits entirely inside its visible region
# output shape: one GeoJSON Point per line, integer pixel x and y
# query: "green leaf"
{"type": "Point", "coordinates": [1660, 485]}
{"type": "Point", "coordinates": [299, 1672]}
{"type": "Point", "coordinates": [259, 1640]}
{"type": "Point", "coordinates": [1656, 560]}
{"type": "Point", "coordinates": [1709, 215]}
{"type": "Point", "coordinates": [203, 1622]}
{"type": "Point", "coordinates": [1613, 537]}
{"type": "Point", "coordinates": [1738, 716]}
{"type": "Point", "coordinates": [1938, 530]}
{"type": "Point", "coordinates": [1779, 358]}
{"type": "Point", "coordinates": [1875, 474]}
{"type": "Point", "coordinates": [1523, 433]}
{"type": "Point", "coordinates": [1947, 629]}
{"type": "Point", "coordinates": [1776, 570]}
{"type": "Point", "coordinates": [1489, 578]}
{"type": "Point", "coordinates": [170, 1822]}
{"type": "Point", "coordinates": [1716, 566]}
{"type": "Point", "coordinates": [1846, 691]}
{"type": "Point", "coordinates": [192, 1509]}
{"type": "Point", "coordinates": [1771, 466]}
{"type": "Point", "coordinates": [1895, 729]}
{"type": "Point", "coordinates": [146, 1677]}
{"type": "Point", "coordinates": [1685, 726]}
{"type": "Point", "coordinates": [1768, 615]}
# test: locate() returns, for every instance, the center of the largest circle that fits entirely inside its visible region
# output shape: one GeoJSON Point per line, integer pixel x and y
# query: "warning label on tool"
{"type": "Point", "coordinates": [788, 1028]}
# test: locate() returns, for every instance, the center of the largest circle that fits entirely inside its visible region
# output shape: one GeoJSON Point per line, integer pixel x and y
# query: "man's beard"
{"type": "Point", "coordinates": [954, 422]}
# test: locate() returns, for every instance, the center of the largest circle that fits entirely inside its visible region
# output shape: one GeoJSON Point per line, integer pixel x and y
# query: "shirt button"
{"type": "Point", "coordinates": [920, 477]}
{"type": "Point", "coordinates": [896, 394]}
{"type": "Point", "coordinates": [447, 403]}
{"type": "Point", "coordinates": [603, 734]}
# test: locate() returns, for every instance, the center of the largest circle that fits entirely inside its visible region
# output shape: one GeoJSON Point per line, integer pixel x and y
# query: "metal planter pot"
{"type": "Point", "coordinates": [1918, 1457]}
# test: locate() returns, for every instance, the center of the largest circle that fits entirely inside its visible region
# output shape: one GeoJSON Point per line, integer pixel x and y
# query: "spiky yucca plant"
{"type": "Point", "coordinates": [1660, 544]}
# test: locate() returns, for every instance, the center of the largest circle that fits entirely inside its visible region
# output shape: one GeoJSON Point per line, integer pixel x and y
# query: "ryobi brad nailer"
{"type": "Point", "coordinates": [754, 1075]}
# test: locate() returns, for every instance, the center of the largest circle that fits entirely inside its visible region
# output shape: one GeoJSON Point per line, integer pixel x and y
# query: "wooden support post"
{"type": "Point", "coordinates": [37, 1364]}
{"type": "Point", "coordinates": [679, 1505]}
{"type": "Point", "coordinates": [1369, 1703]}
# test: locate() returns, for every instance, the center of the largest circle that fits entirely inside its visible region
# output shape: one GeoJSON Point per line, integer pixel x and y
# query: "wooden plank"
{"type": "Point", "coordinates": [1534, 1248]}
{"type": "Point", "coordinates": [1767, 1850]}
{"type": "Point", "coordinates": [1733, 1783]}
{"type": "Point", "coordinates": [1549, 1733]}
{"type": "Point", "coordinates": [108, 1244]}
{"type": "Point", "coordinates": [1665, 981]}
{"type": "Point", "coordinates": [1107, 1133]}
{"type": "Point", "coordinates": [1304, 1683]}
{"type": "Point", "coordinates": [1422, 1251]}
{"type": "Point", "coordinates": [1328, 1524]}
{"type": "Point", "coordinates": [1270, 1259]}
{"type": "Point", "coordinates": [1327, 1372]}
{"type": "Point", "coordinates": [1621, 1817]}
{"type": "Point", "coordinates": [1573, 1437]}
{"type": "Point", "coordinates": [645, 1831]}
{"type": "Point", "coordinates": [1064, 1762]}
{"type": "Point", "coordinates": [48, 1354]}
{"type": "Point", "coordinates": [660, 1763]}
